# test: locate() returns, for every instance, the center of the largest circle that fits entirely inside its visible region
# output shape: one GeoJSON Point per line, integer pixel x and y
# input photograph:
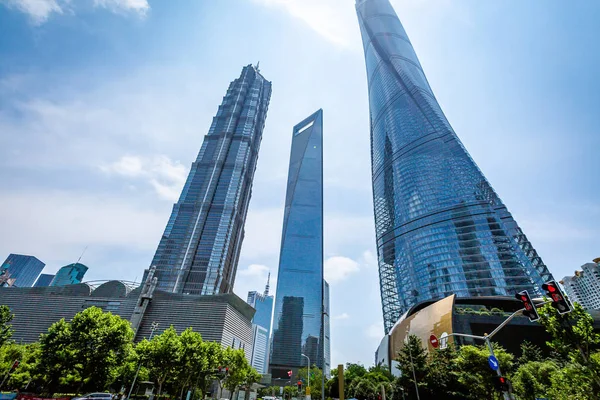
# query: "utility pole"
{"type": "Point", "coordinates": [153, 327]}
{"type": "Point", "coordinates": [413, 369]}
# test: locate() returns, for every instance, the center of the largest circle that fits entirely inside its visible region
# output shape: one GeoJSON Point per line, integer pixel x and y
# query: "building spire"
{"type": "Point", "coordinates": [267, 286]}
{"type": "Point", "coordinates": [257, 66]}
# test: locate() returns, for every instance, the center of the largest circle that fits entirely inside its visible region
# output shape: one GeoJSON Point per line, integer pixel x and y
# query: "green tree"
{"type": "Point", "coordinates": [412, 362]}
{"type": "Point", "coordinates": [6, 330]}
{"type": "Point", "coordinates": [101, 342]}
{"type": "Point", "coordinates": [193, 359]}
{"type": "Point", "coordinates": [315, 380]}
{"type": "Point", "coordinates": [530, 352]}
{"type": "Point", "coordinates": [161, 356]}
{"type": "Point", "coordinates": [238, 366]}
{"type": "Point", "coordinates": [57, 358]}
{"type": "Point", "coordinates": [352, 372]}
{"type": "Point", "coordinates": [573, 336]}
{"type": "Point", "coordinates": [442, 377]}
{"type": "Point", "coordinates": [572, 382]}
{"type": "Point", "coordinates": [533, 379]}
{"type": "Point", "coordinates": [474, 372]}
{"type": "Point", "coordinates": [24, 374]}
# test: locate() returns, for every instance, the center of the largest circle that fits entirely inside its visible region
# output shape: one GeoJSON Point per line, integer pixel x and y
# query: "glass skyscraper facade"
{"type": "Point", "coordinates": [440, 227]}
{"type": "Point", "coordinates": [297, 325]}
{"type": "Point", "coordinates": [263, 304]}
{"type": "Point", "coordinates": [23, 269]}
{"type": "Point", "coordinates": [200, 247]}
{"type": "Point", "coordinates": [44, 280]}
{"type": "Point", "coordinates": [69, 275]}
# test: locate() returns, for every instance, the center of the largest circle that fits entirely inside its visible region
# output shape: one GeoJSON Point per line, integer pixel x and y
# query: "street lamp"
{"type": "Point", "coordinates": [153, 327]}
{"type": "Point", "coordinates": [308, 369]}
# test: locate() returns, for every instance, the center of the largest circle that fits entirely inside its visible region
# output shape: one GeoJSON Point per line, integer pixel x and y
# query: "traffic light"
{"type": "Point", "coordinates": [559, 301]}
{"type": "Point", "coordinates": [299, 385]}
{"type": "Point", "coordinates": [530, 310]}
{"type": "Point", "coordinates": [501, 383]}
{"type": "Point", "coordinates": [289, 374]}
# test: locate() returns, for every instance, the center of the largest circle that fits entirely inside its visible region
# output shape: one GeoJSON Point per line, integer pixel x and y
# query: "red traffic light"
{"type": "Point", "coordinates": [559, 301]}
{"type": "Point", "coordinates": [530, 310]}
{"type": "Point", "coordinates": [502, 379]}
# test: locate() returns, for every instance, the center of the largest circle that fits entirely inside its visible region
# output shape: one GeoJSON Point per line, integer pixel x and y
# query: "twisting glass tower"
{"type": "Point", "coordinates": [440, 226]}
{"type": "Point", "coordinates": [199, 250]}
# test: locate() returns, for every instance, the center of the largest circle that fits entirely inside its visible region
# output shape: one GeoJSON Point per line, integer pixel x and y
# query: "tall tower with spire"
{"type": "Point", "coordinates": [440, 226]}
{"type": "Point", "coordinates": [261, 327]}
{"type": "Point", "coordinates": [200, 247]}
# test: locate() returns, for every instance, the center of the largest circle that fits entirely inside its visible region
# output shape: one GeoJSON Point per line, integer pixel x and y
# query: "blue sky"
{"type": "Point", "coordinates": [104, 104]}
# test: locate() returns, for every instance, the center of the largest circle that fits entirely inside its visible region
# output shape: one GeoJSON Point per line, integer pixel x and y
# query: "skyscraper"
{"type": "Point", "coordinates": [440, 227]}
{"type": "Point", "coordinates": [584, 286]}
{"type": "Point", "coordinates": [23, 269]}
{"type": "Point", "coordinates": [299, 299]}
{"type": "Point", "coordinates": [263, 304]}
{"type": "Point", "coordinates": [200, 247]}
{"type": "Point", "coordinates": [69, 275]}
{"type": "Point", "coordinates": [44, 280]}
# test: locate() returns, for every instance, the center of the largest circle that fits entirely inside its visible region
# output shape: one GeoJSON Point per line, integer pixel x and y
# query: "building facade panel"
{"type": "Point", "coordinates": [71, 274]}
{"type": "Point", "coordinates": [23, 269]}
{"type": "Point", "coordinates": [224, 319]}
{"type": "Point", "coordinates": [297, 327]}
{"type": "Point", "coordinates": [440, 227]}
{"type": "Point", "coordinates": [44, 280]}
{"type": "Point", "coordinates": [200, 247]}
{"type": "Point", "coordinates": [584, 286]}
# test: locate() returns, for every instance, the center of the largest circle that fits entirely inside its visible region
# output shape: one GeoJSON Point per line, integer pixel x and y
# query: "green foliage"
{"type": "Point", "coordinates": [161, 356]}
{"type": "Point", "coordinates": [533, 379]}
{"type": "Point", "coordinates": [86, 353]}
{"type": "Point", "coordinates": [573, 336]}
{"type": "Point", "coordinates": [530, 352]}
{"type": "Point", "coordinates": [6, 330]}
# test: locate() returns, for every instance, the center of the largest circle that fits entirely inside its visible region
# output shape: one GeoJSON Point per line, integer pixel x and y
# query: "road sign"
{"type": "Point", "coordinates": [493, 361]}
{"type": "Point", "coordinates": [444, 340]}
{"type": "Point", "coordinates": [434, 341]}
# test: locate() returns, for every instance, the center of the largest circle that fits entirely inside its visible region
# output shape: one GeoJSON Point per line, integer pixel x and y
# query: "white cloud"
{"type": "Point", "coordinates": [335, 20]}
{"type": "Point", "coordinates": [375, 331]}
{"type": "Point", "coordinates": [40, 10]}
{"type": "Point", "coordinates": [339, 268]}
{"type": "Point", "coordinates": [253, 277]}
{"type": "Point", "coordinates": [52, 223]}
{"type": "Point", "coordinates": [139, 6]}
{"type": "Point", "coordinates": [342, 316]}
{"type": "Point", "coordinates": [166, 177]}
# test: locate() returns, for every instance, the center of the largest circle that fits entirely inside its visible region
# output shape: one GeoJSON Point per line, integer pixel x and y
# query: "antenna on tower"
{"type": "Point", "coordinates": [82, 253]}
{"type": "Point", "coordinates": [267, 287]}
{"type": "Point", "coordinates": [257, 66]}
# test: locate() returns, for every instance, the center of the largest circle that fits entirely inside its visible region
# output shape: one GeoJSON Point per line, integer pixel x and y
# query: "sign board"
{"type": "Point", "coordinates": [434, 341]}
{"type": "Point", "coordinates": [444, 340]}
{"type": "Point", "coordinates": [493, 361]}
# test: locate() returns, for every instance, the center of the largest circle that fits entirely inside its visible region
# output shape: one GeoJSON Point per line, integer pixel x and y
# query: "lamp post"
{"type": "Point", "coordinates": [153, 327]}
{"type": "Point", "coordinates": [308, 370]}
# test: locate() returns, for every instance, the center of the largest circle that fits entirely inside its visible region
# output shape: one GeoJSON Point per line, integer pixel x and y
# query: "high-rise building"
{"type": "Point", "coordinates": [23, 270]}
{"type": "Point", "coordinates": [71, 274]}
{"type": "Point", "coordinates": [299, 307]}
{"type": "Point", "coordinates": [200, 247]}
{"type": "Point", "coordinates": [327, 341]}
{"type": "Point", "coordinates": [44, 280]}
{"type": "Point", "coordinates": [263, 304]}
{"type": "Point", "coordinates": [584, 286]}
{"type": "Point", "coordinates": [440, 227]}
